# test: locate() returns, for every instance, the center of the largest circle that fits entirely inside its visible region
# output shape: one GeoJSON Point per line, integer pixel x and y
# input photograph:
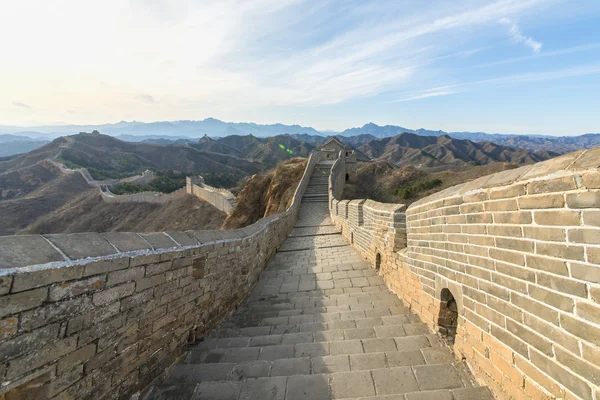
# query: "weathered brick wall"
{"type": "Point", "coordinates": [98, 316]}
{"type": "Point", "coordinates": [520, 253]}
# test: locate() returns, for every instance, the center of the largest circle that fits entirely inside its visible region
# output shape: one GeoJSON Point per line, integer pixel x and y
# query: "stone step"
{"type": "Point", "coordinates": [259, 348]}
{"type": "Point", "coordinates": [299, 387]}
{"type": "Point", "coordinates": [429, 381]}
{"type": "Point", "coordinates": [203, 372]}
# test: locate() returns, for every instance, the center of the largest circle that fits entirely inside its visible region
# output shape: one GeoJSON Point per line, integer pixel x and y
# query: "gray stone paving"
{"type": "Point", "coordinates": [320, 324]}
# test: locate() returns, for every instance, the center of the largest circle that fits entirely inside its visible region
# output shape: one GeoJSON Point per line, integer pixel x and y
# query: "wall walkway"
{"type": "Point", "coordinates": [320, 324]}
{"type": "Point", "coordinates": [515, 255]}
{"type": "Point", "coordinates": [99, 316]}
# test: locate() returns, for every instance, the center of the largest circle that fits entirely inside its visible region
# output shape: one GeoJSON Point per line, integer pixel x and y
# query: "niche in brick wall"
{"type": "Point", "coordinates": [347, 177]}
{"type": "Point", "coordinates": [378, 261]}
{"type": "Point", "coordinates": [448, 316]}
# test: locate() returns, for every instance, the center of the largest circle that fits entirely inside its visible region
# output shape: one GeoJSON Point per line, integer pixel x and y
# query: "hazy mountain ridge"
{"type": "Point", "coordinates": [430, 151]}
{"type": "Point", "coordinates": [169, 132]}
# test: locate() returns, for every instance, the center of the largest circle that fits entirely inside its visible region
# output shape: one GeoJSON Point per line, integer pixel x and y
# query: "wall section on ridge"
{"type": "Point", "coordinates": [519, 252]}
{"type": "Point", "coordinates": [99, 316]}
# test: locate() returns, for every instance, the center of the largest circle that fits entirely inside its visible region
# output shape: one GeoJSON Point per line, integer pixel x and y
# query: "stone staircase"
{"type": "Point", "coordinates": [316, 192]}
{"type": "Point", "coordinates": [320, 324]}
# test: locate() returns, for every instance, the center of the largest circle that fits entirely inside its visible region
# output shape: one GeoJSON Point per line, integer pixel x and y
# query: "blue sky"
{"type": "Point", "coordinates": [526, 66]}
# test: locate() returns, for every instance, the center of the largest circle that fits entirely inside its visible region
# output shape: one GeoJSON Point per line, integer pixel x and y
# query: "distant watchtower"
{"type": "Point", "coordinates": [332, 149]}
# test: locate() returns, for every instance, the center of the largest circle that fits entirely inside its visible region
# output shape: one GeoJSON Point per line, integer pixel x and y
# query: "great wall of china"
{"type": "Point", "coordinates": [506, 267]}
{"type": "Point", "coordinates": [222, 199]}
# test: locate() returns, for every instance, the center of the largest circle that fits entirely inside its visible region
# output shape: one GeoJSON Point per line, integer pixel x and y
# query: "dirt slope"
{"type": "Point", "coordinates": [266, 194]}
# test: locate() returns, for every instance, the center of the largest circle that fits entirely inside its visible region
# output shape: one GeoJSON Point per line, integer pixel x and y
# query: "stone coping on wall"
{"type": "Point", "coordinates": [27, 253]}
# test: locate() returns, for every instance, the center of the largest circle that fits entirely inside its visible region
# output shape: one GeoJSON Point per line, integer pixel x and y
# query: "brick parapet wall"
{"type": "Point", "coordinates": [520, 253]}
{"type": "Point", "coordinates": [99, 316]}
{"type": "Point", "coordinates": [142, 197]}
{"type": "Point", "coordinates": [220, 198]}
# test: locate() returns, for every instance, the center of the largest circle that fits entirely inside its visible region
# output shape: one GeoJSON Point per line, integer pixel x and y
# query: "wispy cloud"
{"type": "Point", "coordinates": [518, 37]}
{"type": "Point", "coordinates": [559, 52]}
{"type": "Point", "coordinates": [21, 105]}
{"type": "Point", "coordinates": [146, 98]}
{"type": "Point", "coordinates": [585, 70]}
{"type": "Point", "coordinates": [425, 95]}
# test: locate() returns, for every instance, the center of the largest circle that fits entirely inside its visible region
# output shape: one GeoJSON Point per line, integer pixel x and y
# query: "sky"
{"type": "Point", "coordinates": [504, 66]}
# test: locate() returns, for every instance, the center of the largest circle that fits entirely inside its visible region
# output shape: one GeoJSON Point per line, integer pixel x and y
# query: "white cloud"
{"type": "Point", "coordinates": [21, 105]}
{"type": "Point", "coordinates": [225, 57]}
{"type": "Point", "coordinates": [518, 37]}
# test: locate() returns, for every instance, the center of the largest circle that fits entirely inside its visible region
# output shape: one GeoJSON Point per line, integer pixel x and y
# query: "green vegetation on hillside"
{"type": "Point", "coordinates": [410, 191]}
{"type": "Point", "coordinates": [165, 181]}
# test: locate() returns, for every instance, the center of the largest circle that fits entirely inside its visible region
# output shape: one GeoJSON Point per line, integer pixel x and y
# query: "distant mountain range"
{"type": "Point", "coordinates": [169, 132]}
{"type": "Point", "coordinates": [443, 151]}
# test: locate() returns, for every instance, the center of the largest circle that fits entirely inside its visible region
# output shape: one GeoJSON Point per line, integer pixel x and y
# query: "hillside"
{"type": "Point", "coordinates": [107, 157]}
{"type": "Point", "coordinates": [435, 152]}
{"type": "Point", "coordinates": [67, 204]}
{"type": "Point", "coordinates": [267, 151]}
{"type": "Point", "coordinates": [266, 194]}
{"type": "Point", "coordinates": [383, 182]}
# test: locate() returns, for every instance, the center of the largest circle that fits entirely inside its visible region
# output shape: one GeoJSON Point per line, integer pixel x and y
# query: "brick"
{"type": "Point", "coordinates": [504, 230]}
{"type": "Point", "coordinates": [593, 254]}
{"type": "Point", "coordinates": [145, 283]}
{"type": "Point", "coordinates": [530, 337]}
{"type": "Point", "coordinates": [105, 266]}
{"type": "Point", "coordinates": [501, 205]}
{"type": "Point", "coordinates": [154, 269]}
{"type": "Point", "coordinates": [569, 380]}
{"type": "Point", "coordinates": [50, 352]}
{"type": "Point", "coordinates": [505, 308]}
{"type": "Point", "coordinates": [34, 279]}
{"type": "Point", "coordinates": [515, 244]}
{"type": "Point", "coordinates": [545, 233]}
{"type": "Point", "coordinates": [561, 251]}
{"type": "Point", "coordinates": [534, 374]}
{"type": "Point", "coordinates": [582, 368]}
{"type": "Point", "coordinates": [75, 358]}
{"type": "Point", "coordinates": [563, 285]}
{"type": "Point", "coordinates": [583, 200]}
{"type": "Point", "coordinates": [485, 218]}
{"type": "Point", "coordinates": [54, 312]}
{"type": "Point", "coordinates": [551, 332]}
{"type": "Point", "coordinates": [589, 273]}
{"type": "Point", "coordinates": [130, 274]}
{"type": "Point", "coordinates": [5, 284]}
{"type": "Point", "coordinates": [554, 299]}
{"type": "Point", "coordinates": [76, 288]}
{"type": "Point", "coordinates": [18, 302]}
{"type": "Point", "coordinates": [581, 329]}
{"type": "Point", "coordinates": [591, 218]}
{"type": "Point", "coordinates": [543, 201]}
{"type": "Point", "coordinates": [591, 236]}
{"type": "Point", "coordinates": [8, 327]}
{"type": "Point", "coordinates": [508, 256]}
{"type": "Point", "coordinates": [589, 312]}
{"type": "Point", "coordinates": [510, 283]}
{"type": "Point", "coordinates": [515, 272]}
{"type": "Point", "coordinates": [511, 191]}
{"type": "Point", "coordinates": [113, 294]}
{"type": "Point", "coordinates": [517, 217]}
{"type": "Point", "coordinates": [558, 218]}
{"type": "Point", "coordinates": [553, 185]}
{"type": "Point", "coordinates": [534, 307]}
{"type": "Point", "coordinates": [590, 180]}
{"type": "Point", "coordinates": [508, 339]}
{"type": "Point", "coordinates": [28, 342]}
{"type": "Point", "coordinates": [555, 266]}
